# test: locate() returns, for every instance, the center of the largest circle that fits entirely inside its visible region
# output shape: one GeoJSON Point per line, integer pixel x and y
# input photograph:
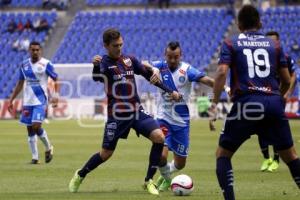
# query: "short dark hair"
{"type": "Point", "coordinates": [173, 45]}
{"type": "Point", "coordinates": [110, 34]}
{"type": "Point", "coordinates": [34, 43]}
{"type": "Point", "coordinates": [271, 33]}
{"type": "Point", "coordinates": [248, 18]}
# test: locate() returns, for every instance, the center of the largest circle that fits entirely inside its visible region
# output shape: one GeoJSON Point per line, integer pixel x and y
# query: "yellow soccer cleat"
{"type": "Point", "coordinates": [75, 182]}
{"type": "Point", "coordinates": [151, 187]}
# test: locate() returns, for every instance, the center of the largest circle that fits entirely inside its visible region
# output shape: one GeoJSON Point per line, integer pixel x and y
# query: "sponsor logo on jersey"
{"type": "Point", "coordinates": [112, 125]}
{"type": "Point", "coordinates": [166, 77]}
{"type": "Point", "coordinates": [117, 77]}
{"type": "Point", "coordinates": [182, 71]}
{"type": "Point", "coordinates": [112, 67]}
{"type": "Point", "coordinates": [110, 134]}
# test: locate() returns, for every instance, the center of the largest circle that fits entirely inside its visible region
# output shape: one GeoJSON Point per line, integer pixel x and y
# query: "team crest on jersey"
{"type": "Point", "coordinates": [110, 134]}
{"type": "Point", "coordinates": [181, 79]}
{"type": "Point", "coordinates": [127, 62]}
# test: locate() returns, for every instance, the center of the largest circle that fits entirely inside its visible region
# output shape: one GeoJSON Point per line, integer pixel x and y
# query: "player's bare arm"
{"type": "Point", "coordinates": [207, 81]}
{"type": "Point", "coordinates": [285, 80]}
{"type": "Point", "coordinates": [155, 78]}
{"type": "Point", "coordinates": [55, 95]}
{"type": "Point", "coordinates": [292, 85]}
{"type": "Point", "coordinates": [15, 93]}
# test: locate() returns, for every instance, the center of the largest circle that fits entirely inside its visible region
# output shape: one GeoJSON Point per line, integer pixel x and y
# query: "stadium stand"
{"type": "Point", "coordinates": [26, 3]}
{"type": "Point", "coordinates": [140, 2]}
{"type": "Point", "coordinates": [10, 56]}
{"type": "Point", "coordinates": [284, 20]}
{"type": "Point", "coordinates": [146, 33]}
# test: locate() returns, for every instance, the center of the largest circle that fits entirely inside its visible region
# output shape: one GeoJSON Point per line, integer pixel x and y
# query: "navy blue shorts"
{"type": "Point", "coordinates": [141, 122]}
{"type": "Point", "coordinates": [257, 114]}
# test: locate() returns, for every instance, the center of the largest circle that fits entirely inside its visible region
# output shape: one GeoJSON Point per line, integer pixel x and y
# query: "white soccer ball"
{"type": "Point", "coordinates": [182, 185]}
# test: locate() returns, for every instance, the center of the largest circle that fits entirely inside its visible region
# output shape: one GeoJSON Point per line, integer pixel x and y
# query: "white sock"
{"type": "Point", "coordinates": [165, 171]}
{"type": "Point", "coordinates": [45, 140]}
{"type": "Point", "coordinates": [32, 141]}
{"type": "Point", "coordinates": [172, 167]}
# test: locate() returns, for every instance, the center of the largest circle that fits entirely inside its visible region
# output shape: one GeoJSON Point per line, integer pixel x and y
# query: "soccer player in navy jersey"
{"type": "Point", "coordinates": [255, 62]}
{"type": "Point", "coordinates": [33, 78]}
{"type": "Point", "coordinates": [270, 164]}
{"type": "Point", "coordinates": [116, 71]}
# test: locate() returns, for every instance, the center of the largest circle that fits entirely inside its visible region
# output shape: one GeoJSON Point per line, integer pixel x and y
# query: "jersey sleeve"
{"type": "Point", "coordinates": [21, 74]}
{"type": "Point", "coordinates": [50, 71]}
{"type": "Point", "coordinates": [291, 64]}
{"type": "Point", "coordinates": [226, 53]}
{"type": "Point", "coordinates": [157, 64]}
{"type": "Point", "coordinates": [194, 74]}
{"type": "Point", "coordinates": [138, 67]}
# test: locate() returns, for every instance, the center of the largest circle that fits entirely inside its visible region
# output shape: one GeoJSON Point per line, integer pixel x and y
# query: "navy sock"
{"type": "Point", "coordinates": [225, 177]}
{"type": "Point", "coordinates": [294, 167]}
{"type": "Point", "coordinates": [264, 148]}
{"type": "Point", "coordinates": [91, 164]}
{"type": "Point", "coordinates": [276, 154]}
{"type": "Point", "coordinates": [154, 159]}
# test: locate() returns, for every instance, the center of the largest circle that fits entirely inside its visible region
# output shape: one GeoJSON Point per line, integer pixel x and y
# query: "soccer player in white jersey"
{"type": "Point", "coordinates": [34, 73]}
{"type": "Point", "coordinates": [173, 117]}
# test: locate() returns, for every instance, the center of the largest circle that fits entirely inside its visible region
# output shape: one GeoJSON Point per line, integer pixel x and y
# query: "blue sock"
{"type": "Point", "coordinates": [225, 177]}
{"type": "Point", "coordinates": [91, 164]}
{"type": "Point", "coordinates": [294, 167]}
{"type": "Point", "coordinates": [154, 159]}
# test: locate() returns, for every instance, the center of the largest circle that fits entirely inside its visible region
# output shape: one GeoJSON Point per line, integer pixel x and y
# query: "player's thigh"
{"type": "Point", "coordinates": [113, 131]}
{"type": "Point", "coordinates": [145, 125]}
{"type": "Point", "coordinates": [178, 140]}
{"type": "Point", "coordinates": [26, 115]}
{"type": "Point", "coordinates": [38, 114]}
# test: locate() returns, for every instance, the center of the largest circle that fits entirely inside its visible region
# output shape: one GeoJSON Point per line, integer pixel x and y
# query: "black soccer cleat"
{"type": "Point", "coordinates": [34, 162]}
{"type": "Point", "coordinates": [49, 155]}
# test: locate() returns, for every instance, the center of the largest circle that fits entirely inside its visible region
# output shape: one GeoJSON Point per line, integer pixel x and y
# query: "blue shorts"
{"type": "Point", "coordinates": [177, 137]}
{"type": "Point", "coordinates": [32, 114]}
{"type": "Point", "coordinates": [115, 129]}
{"type": "Point", "coordinates": [257, 114]}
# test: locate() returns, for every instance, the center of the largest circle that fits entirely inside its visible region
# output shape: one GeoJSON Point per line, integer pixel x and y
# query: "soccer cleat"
{"type": "Point", "coordinates": [164, 186]}
{"type": "Point", "coordinates": [266, 163]}
{"type": "Point", "coordinates": [34, 162]}
{"type": "Point", "coordinates": [151, 187]}
{"type": "Point", "coordinates": [159, 181]}
{"type": "Point", "coordinates": [75, 182]}
{"type": "Point", "coordinates": [49, 154]}
{"type": "Point", "coordinates": [274, 166]}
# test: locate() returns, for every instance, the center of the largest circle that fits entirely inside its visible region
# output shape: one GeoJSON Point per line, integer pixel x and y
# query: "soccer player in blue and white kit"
{"type": "Point", "coordinates": [174, 117]}
{"type": "Point", "coordinates": [255, 61]}
{"type": "Point", "coordinates": [270, 164]}
{"type": "Point", "coordinates": [33, 78]}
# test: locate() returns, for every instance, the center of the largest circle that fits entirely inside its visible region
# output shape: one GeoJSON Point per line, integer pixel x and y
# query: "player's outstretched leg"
{"type": "Point", "coordinates": [91, 164]}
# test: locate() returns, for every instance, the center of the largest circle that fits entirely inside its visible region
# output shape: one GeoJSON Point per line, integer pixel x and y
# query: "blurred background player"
{"type": "Point", "coordinates": [117, 71]}
{"type": "Point", "coordinates": [174, 117]}
{"type": "Point", "coordinates": [34, 72]}
{"type": "Point", "coordinates": [270, 164]}
{"type": "Point", "coordinates": [255, 62]}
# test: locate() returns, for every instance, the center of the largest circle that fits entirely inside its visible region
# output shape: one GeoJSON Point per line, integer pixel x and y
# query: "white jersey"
{"type": "Point", "coordinates": [176, 113]}
{"type": "Point", "coordinates": [36, 81]}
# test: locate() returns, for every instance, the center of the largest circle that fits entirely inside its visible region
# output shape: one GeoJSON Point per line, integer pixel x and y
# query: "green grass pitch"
{"type": "Point", "coordinates": [122, 176]}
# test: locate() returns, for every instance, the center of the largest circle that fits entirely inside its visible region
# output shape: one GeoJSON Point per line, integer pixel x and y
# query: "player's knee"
{"type": "Point", "coordinates": [180, 166]}
{"type": "Point", "coordinates": [106, 154]}
{"type": "Point", "coordinates": [157, 136]}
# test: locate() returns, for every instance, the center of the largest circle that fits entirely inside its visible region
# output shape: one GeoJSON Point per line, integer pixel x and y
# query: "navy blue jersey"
{"type": "Point", "coordinates": [120, 83]}
{"type": "Point", "coordinates": [290, 63]}
{"type": "Point", "coordinates": [254, 61]}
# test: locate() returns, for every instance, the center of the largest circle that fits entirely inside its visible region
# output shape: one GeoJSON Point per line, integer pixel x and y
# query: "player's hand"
{"type": "Point", "coordinates": [10, 107]}
{"type": "Point", "coordinates": [212, 126]}
{"type": "Point", "coordinates": [54, 102]}
{"type": "Point", "coordinates": [155, 78]}
{"type": "Point", "coordinates": [97, 59]}
{"type": "Point", "coordinates": [176, 96]}
{"type": "Point", "coordinates": [212, 112]}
